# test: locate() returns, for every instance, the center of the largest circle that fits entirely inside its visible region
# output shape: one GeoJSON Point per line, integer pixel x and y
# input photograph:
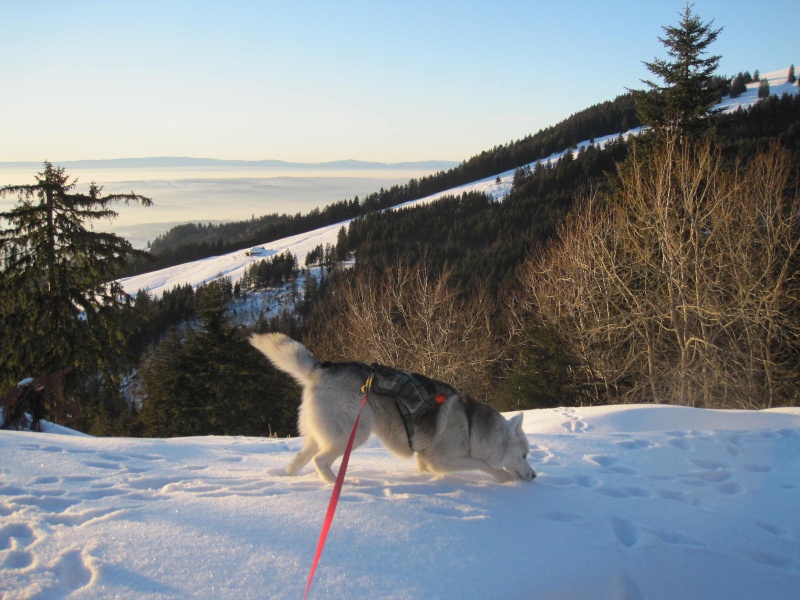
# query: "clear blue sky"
{"type": "Point", "coordinates": [318, 81]}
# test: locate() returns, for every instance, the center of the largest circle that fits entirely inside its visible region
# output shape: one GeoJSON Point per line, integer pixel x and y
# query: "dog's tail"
{"type": "Point", "coordinates": [286, 354]}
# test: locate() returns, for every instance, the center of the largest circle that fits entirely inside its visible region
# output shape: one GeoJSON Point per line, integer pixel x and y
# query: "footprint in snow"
{"type": "Point", "coordinates": [17, 535]}
{"type": "Point", "coordinates": [15, 538]}
{"type": "Point", "coordinates": [74, 570]}
{"type": "Point", "coordinates": [772, 560]}
{"type": "Point", "coordinates": [626, 532]}
{"type": "Point", "coordinates": [773, 529]}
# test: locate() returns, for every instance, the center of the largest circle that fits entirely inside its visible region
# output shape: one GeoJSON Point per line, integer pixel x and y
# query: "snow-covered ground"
{"type": "Point", "coordinates": [778, 86]}
{"type": "Point", "coordinates": [234, 264]}
{"type": "Point", "coordinates": [634, 502]}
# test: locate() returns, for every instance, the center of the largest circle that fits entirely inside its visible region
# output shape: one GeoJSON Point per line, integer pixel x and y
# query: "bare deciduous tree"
{"type": "Point", "coordinates": [416, 321]}
{"type": "Point", "coordinates": [680, 286]}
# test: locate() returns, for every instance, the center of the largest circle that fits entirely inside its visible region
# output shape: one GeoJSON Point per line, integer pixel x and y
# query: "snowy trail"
{"type": "Point", "coordinates": [630, 502]}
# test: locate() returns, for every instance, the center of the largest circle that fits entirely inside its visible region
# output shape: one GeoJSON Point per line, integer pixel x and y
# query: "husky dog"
{"type": "Point", "coordinates": [408, 412]}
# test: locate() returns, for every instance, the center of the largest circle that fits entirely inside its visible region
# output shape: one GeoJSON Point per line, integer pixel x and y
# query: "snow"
{"type": "Point", "coordinates": [233, 265]}
{"type": "Point", "coordinates": [778, 86]}
{"type": "Point", "coordinates": [630, 502]}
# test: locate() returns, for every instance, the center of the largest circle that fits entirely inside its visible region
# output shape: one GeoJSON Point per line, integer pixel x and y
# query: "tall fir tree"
{"type": "Point", "coordinates": [738, 86]}
{"type": "Point", "coordinates": [792, 77]}
{"type": "Point", "coordinates": [211, 381]}
{"type": "Point", "coordinates": [686, 99]}
{"type": "Point", "coordinates": [60, 309]}
{"type": "Point", "coordinates": [763, 89]}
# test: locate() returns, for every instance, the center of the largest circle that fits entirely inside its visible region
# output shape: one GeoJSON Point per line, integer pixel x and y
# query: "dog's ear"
{"type": "Point", "coordinates": [515, 422]}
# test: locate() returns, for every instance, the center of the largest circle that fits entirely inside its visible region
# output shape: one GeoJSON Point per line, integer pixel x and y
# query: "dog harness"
{"type": "Point", "coordinates": [415, 396]}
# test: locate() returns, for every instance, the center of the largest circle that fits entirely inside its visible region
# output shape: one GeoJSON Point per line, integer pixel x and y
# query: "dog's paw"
{"type": "Point", "coordinates": [277, 472]}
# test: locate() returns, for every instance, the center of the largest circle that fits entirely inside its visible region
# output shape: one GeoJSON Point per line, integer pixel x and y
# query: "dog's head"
{"type": "Point", "coordinates": [515, 457]}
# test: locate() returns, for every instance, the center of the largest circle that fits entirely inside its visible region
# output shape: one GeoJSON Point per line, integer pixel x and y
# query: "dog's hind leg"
{"type": "Point", "coordinates": [335, 449]}
{"type": "Point", "coordinates": [323, 462]}
{"type": "Point", "coordinates": [422, 464]}
{"type": "Point", "coordinates": [301, 459]}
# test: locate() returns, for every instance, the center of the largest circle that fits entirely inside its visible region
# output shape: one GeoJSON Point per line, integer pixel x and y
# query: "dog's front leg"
{"type": "Point", "coordinates": [442, 464]}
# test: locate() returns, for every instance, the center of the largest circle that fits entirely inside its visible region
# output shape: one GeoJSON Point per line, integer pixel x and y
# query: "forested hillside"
{"type": "Point", "coordinates": [191, 241]}
{"type": "Point", "coordinates": [485, 241]}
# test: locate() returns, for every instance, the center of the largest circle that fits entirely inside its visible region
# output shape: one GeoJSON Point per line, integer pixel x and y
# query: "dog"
{"type": "Point", "coordinates": [409, 413]}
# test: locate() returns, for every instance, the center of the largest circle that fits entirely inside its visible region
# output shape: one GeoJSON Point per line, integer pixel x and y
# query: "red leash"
{"type": "Point", "coordinates": [337, 488]}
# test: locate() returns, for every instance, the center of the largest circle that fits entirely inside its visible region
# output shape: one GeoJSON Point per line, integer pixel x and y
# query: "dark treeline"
{"type": "Point", "coordinates": [279, 269]}
{"type": "Point", "coordinates": [198, 233]}
{"type": "Point", "coordinates": [193, 242]}
{"type": "Point", "coordinates": [483, 240]}
{"type": "Point", "coordinates": [607, 118]}
{"type": "Point", "coordinates": [154, 316]}
{"type": "Point", "coordinates": [775, 119]}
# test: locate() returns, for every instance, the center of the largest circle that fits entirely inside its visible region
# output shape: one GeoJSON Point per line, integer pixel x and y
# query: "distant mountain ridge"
{"type": "Point", "coordinates": [189, 162]}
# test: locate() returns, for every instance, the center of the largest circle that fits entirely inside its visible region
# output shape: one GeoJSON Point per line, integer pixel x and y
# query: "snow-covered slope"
{"type": "Point", "coordinates": [233, 264]}
{"type": "Point", "coordinates": [778, 86]}
{"type": "Point", "coordinates": [635, 502]}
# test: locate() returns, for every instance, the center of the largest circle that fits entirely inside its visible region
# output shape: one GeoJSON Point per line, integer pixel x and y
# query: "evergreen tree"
{"type": "Point", "coordinates": [61, 310]}
{"type": "Point", "coordinates": [690, 90]}
{"type": "Point", "coordinates": [211, 382]}
{"type": "Point", "coordinates": [763, 89]}
{"type": "Point", "coordinates": [738, 86]}
{"type": "Point", "coordinates": [792, 78]}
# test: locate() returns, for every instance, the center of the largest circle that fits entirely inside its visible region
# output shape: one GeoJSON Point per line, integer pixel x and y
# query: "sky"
{"type": "Point", "coordinates": [309, 81]}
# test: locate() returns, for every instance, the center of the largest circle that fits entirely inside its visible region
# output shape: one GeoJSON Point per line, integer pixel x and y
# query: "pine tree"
{"type": "Point", "coordinates": [212, 381]}
{"type": "Point", "coordinates": [792, 78]}
{"type": "Point", "coordinates": [690, 91]}
{"type": "Point", "coordinates": [61, 310]}
{"type": "Point", "coordinates": [763, 89]}
{"type": "Point", "coordinates": [738, 86]}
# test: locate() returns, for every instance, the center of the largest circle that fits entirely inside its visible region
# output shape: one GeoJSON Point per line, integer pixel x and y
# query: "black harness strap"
{"type": "Point", "coordinates": [469, 410]}
{"type": "Point", "coordinates": [408, 415]}
{"type": "Point", "coordinates": [405, 412]}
